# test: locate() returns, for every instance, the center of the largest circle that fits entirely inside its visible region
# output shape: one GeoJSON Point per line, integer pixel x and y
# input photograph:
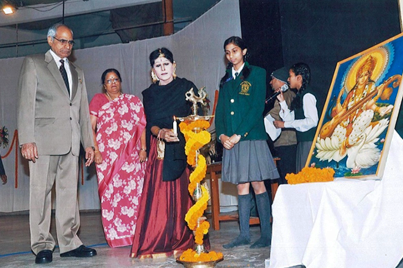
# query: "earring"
{"type": "Point", "coordinates": [154, 77]}
{"type": "Point", "coordinates": [174, 72]}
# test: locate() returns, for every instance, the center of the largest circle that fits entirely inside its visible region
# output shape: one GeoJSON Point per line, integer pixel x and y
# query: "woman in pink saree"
{"type": "Point", "coordinates": [118, 123]}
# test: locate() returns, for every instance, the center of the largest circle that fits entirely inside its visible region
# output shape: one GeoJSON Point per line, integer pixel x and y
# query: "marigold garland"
{"type": "Point", "coordinates": [194, 141]}
{"type": "Point", "coordinates": [196, 137]}
{"type": "Point", "coordinates": [186, 127]}
{"type": "Point", "coordinates": [198, 174]}
{"type": "Point", "coordinates": [201, 230]}
{"type": "Point", "coordinates": [197, 210]}
{"type": "Point", "coordinates": [311, 174]}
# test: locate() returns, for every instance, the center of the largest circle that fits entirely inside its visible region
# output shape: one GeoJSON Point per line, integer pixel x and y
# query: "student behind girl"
{"type": "Point", "coordinates": [303, 113]}
{"type": "Point", "coordinates": [240, 128]}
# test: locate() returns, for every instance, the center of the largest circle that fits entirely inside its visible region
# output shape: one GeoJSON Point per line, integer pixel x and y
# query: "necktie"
{"type": "Point", "coordinates": [236, 75]}
{"type": "Point", "coordinates": [64, 75]}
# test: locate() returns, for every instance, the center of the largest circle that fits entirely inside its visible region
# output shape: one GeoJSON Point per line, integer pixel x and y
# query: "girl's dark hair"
{"type": "Point", "coordinates": [302, 69]}
{"type": "Point", "coordinates": [161, 52]}
{"type": "Point", "coordinates": [305, 72]}
{"type": "Point", "coordinates": [241, 44]}
{"type": "Point", "coordinates": [110, 70]}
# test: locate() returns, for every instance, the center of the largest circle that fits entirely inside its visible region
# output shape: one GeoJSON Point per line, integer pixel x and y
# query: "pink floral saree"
{"type": "Point", "coordinates": [120, 124]}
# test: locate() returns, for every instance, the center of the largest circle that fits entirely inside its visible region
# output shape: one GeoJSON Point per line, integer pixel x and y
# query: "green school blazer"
{"type": "Point", "coordinates": [240, 105]}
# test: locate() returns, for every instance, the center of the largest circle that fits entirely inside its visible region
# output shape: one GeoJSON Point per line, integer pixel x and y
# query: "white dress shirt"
{"type": "Point", "coordinates": [310, 112]}
{"type": "Point", "coordinates": [238, 71]}
{"type": "Point", "coordinates": [66, 66]}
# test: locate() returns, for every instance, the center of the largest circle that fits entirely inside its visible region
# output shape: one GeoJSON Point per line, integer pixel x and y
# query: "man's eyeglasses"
{"type": "Point", "coordinates": [110, 81]}
{"type": "Point", "coordinates": [64, 41]}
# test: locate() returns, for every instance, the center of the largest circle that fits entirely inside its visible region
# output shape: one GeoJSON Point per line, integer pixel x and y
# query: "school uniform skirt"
{"type": "Point", "coordinates": [248, 161]}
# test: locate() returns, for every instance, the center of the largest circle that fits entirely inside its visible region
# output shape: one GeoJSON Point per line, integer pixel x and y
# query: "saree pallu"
{"type": "Point", "coordinates": [120, 124]}
{"type": "Point", "coordinates": [161, 230]}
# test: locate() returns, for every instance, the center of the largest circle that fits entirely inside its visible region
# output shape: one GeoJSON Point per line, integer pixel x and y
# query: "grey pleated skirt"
{"type": "Point", "coordinates": [248, 161]}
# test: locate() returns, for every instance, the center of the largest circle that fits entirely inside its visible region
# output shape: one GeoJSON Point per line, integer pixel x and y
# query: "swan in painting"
{"type": "Point", "coordinates": [362, 152]}
{"type": "Point", "coordinates": [362, 155]}
{"type": "Point", "coordinates": [365, 153]}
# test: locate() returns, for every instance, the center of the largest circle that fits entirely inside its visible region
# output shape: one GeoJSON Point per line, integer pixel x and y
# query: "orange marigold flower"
{"type": "Point", "coordinates": [191, 256]}
{"type": "Point", "coordinates": [311, 174]}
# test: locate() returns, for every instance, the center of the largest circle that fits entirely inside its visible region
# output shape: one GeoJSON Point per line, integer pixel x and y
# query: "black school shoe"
{"type": "Point", "coordinates": [81, 251]}
{"type": "Point", "coordinates": [43, 256]}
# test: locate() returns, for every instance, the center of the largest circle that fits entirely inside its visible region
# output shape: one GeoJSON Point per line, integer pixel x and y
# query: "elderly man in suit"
{"type": "Point", "coordinates": [53, 117]}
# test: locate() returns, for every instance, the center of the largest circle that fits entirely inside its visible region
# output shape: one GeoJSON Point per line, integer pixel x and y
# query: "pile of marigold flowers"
{"type": "Point", "coordinates": [191, 256]}
{"type": "Point", "coordinates": [311, 174]}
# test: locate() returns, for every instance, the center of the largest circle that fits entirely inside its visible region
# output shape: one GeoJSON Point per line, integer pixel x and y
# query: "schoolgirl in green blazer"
{"type": "Point", "coordinates": [239, 126]}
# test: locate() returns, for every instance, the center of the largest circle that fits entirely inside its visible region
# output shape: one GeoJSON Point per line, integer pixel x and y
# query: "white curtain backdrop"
{"type": "Point", "coordinates": [198, 52]}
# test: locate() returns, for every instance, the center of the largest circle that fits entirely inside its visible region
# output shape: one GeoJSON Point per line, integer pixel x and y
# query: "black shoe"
{"type": "Point", "coordinates": [81, 251]}
{"type": "Point", "coordinates": [44, 256]}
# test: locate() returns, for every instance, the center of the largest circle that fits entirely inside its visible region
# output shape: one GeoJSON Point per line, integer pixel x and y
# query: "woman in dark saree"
{"type": "Point", "coordinates": [161, 229]}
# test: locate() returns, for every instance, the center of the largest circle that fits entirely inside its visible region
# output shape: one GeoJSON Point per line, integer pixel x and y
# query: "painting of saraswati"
{"type": "Point", "coordinates": [360, 113]}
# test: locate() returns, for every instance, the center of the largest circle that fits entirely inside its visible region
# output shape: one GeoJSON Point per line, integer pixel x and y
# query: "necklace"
{"type": "Point", "coordinates": [109, 96]}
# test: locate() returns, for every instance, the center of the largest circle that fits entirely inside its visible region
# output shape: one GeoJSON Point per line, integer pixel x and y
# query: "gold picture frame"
{"type": "Point", "coordinates": [358, 119]}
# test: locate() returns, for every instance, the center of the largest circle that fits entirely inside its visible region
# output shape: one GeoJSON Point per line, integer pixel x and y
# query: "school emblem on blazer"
{"type": "Point", "coordinates": [245, 85]}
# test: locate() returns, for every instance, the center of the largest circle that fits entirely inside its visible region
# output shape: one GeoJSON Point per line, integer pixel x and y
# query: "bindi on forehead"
{"type": "Point", "coordinates": [161, 60]}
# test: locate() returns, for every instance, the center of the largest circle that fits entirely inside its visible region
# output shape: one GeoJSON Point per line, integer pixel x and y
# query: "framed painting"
{"type": "Point", "coordinates": [358, 119]}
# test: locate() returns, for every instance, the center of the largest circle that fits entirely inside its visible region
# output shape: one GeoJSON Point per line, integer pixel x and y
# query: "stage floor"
{"type": "Point", "coordinates": [15, 246]}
